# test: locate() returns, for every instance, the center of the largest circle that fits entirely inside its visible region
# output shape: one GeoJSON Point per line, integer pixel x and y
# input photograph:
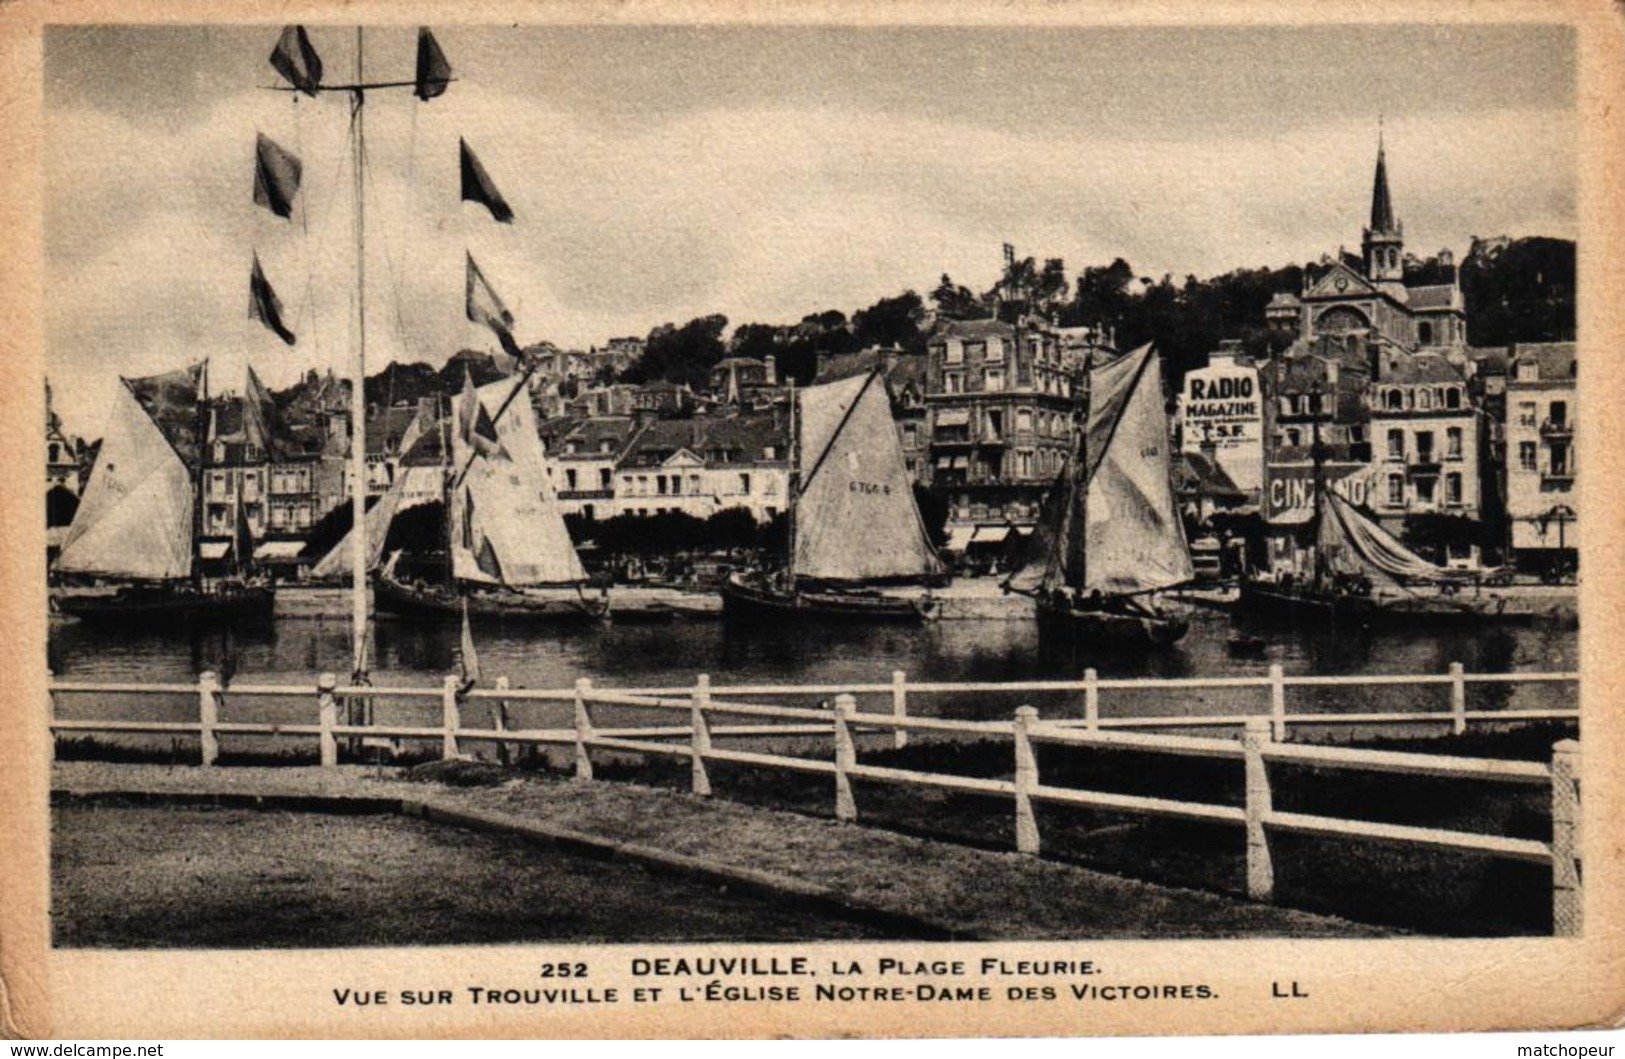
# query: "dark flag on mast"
{"type": "Point", "coordinates": [264, 305]}
{"type": "Point", "coordinates": [297, 61]}
{"type": "Point", "coordinates": [276, 176]}
{"type": "Point", "coordinates": [434, 72]}
{"type": "Point", "coordinates": [486, 309]}
{"type": "Point", "coordinates": [478, 187]}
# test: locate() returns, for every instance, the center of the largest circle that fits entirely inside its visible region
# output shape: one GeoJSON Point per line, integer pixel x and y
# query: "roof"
{"type": "Point", "coordinates": [1197, 472]}
{"type": "Point", "coordinates": [1285, 298]}
{"type": "Point", "coordinates": [386, 428]}
{"type": "Point", "coordinates": [973, 329]}
{"type": "Point", "coordinates": [743, 362]}
{"type": "Point", "coordinates": [1439, 296]}
{"type": "Point", "coordinates": [1420, 368]}
{"type": "Point", "coordinates": [589, 435]}
{"type": "Point", "coordinates": [743, 438]}
{"type": "Point", "coordinates": [1556, 360]}
{"type": "Point", "coordinates": [902, 369]}
{"type": "Point", "coordinates": [1491, 360]}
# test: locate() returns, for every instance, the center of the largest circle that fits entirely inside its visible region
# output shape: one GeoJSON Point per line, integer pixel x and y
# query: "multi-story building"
{"type": "Point", "coordinates": [1313, 391]}
{"type": "Point", "coordinates": [1000, 405]}
{"type": "Point", "coordinates": [1425, 437]}
{"type": "Point", "coordinates": [705, 465]}
{"type": "Point", "coordinates": [744, 380]}
{"type": "Point", "coordinates": [581, 459]}
{"type": "Point", "coordinates": [64, 454]}
{"type": "Point", "coordinates": [1542, 501]}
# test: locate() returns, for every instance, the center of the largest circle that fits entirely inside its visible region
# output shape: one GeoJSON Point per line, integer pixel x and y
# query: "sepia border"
{"type": "Point", "coordinates": [1387, 985]}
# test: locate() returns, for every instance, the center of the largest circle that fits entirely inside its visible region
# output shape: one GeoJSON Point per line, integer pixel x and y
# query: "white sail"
{"type": "Point", "coordinates": [135, 518]}
{"type": "Point", "coordinates": [1134, 540]}
{"type": "Point", "coordinates": [506, 523]}
{"type": "Point", "coordinates": [376, 523]}
{"type": "Point", "coordinates": [856, 519]}
{"type": "Point", "coordinates": [1353, 544]}
{"type": "Point", "coordinates": [1135, 537]}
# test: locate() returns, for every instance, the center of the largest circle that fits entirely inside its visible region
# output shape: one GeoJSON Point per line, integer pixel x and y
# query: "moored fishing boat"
{"type": "Point", "coordinates": [1110, 534]}
{"type": "Point", "coordinates": [854, 526]}
{"type": "Point", "coordinates": [137, 529]}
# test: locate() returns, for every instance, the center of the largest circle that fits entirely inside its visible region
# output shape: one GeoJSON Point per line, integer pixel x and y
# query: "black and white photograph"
{"type": "Point", "coordinates": [796, 508]}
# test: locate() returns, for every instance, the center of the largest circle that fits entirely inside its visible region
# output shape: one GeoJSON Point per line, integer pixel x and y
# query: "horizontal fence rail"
{"type": "Point", "coordinates": [1261, 741]}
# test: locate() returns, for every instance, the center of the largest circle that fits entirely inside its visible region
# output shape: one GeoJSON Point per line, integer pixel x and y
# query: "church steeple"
{"type": "Point", "coordinates": [1384, 240]}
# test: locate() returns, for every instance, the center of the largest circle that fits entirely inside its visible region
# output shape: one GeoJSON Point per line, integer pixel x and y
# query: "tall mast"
{"type": "Point", "coordinates": [1081, 476]}
{"type": "Point", "coordinates": [358, 380]}
{"type": "Point", "coordinates": [202, 421]}
{"type": "Point", "coordinates": [794, 491]}
{"type": "Point", "coordinates": [1319, 460]}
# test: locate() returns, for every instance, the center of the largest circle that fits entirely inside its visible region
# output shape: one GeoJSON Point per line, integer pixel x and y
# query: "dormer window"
{"type": "Point", "coordinates": [1393, 400]}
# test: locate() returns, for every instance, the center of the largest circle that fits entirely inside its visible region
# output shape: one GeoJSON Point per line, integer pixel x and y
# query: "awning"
{"type": "Point", "coordinates": [279, 550]}
{"type": "Point", "coordinates": [958, 537]}
{"type": "Point", "coordinates": [990, 534]}
{"type": "Point", "coordinates": [214, 549]}
{"type": "Point", "coordinates": [953, 417]}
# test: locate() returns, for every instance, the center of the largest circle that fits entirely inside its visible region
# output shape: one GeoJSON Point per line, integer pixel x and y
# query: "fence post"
{"type": "Point", "coordinates": [899, 707]}
{"type": "Point", "coordinates": [1027, 840]}
{"type": "Point", "coordinates": [699, 735]}
{"type": "Point", "coordinates": [846, 756]}
{"type": "Point", "coordinates": [499, 720]}
{"type": "Point", "coordinates": [1458, 700]}
{"type": "Point", "coordinates": [208, 715]}
{"type": "Point", "coordinates": [1260, 870]}
{"type": "Point", "coordinates": [1566, 890]}
{"type": "Point", "coordinates": [583, 721]}
{"type": "Point", "coordinates": [1277, 703]}
{"type": "Point", "coordinates": [327, 715]}
{"type": "Point", "coordinates": [1091, 699]}
{"type": "Point", "coordinates": [449, 716]}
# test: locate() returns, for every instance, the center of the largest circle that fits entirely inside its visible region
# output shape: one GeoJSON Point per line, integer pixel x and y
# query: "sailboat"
{"type": "Point", "coordinates": [140, 522]}
{"type": "Point", "coordinates": [1362, 574]}
{"type": "Point", "coordinates": [1110, 533]}
{"type": "Point", "coordinates": [854, 525]}
{"type": "Point", "coordinates": [509, 554]}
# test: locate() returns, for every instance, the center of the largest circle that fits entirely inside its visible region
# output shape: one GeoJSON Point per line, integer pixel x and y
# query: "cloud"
{"type": "Point", "coordinates": [758, 212]}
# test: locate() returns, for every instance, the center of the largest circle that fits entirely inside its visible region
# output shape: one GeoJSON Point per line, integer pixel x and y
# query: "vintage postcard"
{"type": "Point", "coordinates": [722, 520]}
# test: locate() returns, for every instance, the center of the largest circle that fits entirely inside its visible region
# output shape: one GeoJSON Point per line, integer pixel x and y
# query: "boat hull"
{"type": "Point", "coordinates": [444, 603]}
{"type": "Point", "coordinates": [170, 605]}
{"type": "Point", "coordinates": [1298, 605]}
{"type": "Point", "coordinates": [1091, 628]}
{"type": "Point", "coordinates": [744, 599]}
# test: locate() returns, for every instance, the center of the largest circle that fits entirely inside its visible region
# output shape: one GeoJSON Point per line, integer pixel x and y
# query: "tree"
{"type": "Point", "coordinates": [891, 322]}
{"type": "Point", "coordinates": [957, 302]}
{"type": "Point", "coordinates": [730, 528]}
{"type": "Point", "coordinates": [681, 355]}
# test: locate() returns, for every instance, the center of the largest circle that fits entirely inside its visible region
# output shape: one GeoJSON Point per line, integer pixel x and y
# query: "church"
{"type": "Point", "coordinates": [1371, 297]}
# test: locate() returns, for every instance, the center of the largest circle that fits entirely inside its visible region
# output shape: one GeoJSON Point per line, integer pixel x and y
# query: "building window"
{"type": "Point", "coordinates": [1452, 489]}
{"type": "Point", "coordinates": [1527, 371]}
{"type": "Point", "coordinates": [1424, 490]}
{"type": "Point", "coordinates": [570, 480]}
{"type": "Point", "coordinates": [1293, 437]}
{"type": "Point", "coordinates": [1394, 400]}
{"type": "Point", "coordinates": [744, 484]}
{"type": "Point", "coordinates": [1526, 413]}
{"type": "Point", "coordinates": [1558, 413]}
{"type": "Point", "coordinates": [953, 382]}
{"type": "Point", "coordinates": [1424, 445]}
{"type": "Point", "coordinates": [1452, 443]}
{"type": "Point", "coordinates": [1424, 333]}
{"type": "Point", "coordinates": [995, 424]}
{"type": "Point", "coordinates": [994, 380]}
{"type": "Point", "coordinates": [1560, 459]}
{"type": "Point", "coordinates": [995, 350]}
{"type": "Point", "coordinates": [604, 479]}
{"type": "Point", "coordinates": [954, 353]}
{"type": "Point", "coordinates": [1526, 455]}
{"type": "Point", "coordinates": [1396, 444]}
{"type": "Point", "coordinates": [1452, 397]}
{"type": "Point", "coordinates": [1396, 490]}
{"type": "Point", "coordinates": [1424, 399]}
{"type": "Point", "coordinates": [1024, 419]}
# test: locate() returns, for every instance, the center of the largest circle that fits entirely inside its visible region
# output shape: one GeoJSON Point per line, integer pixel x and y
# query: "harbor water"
{"type": "Point", "coordinates": [293, 651]}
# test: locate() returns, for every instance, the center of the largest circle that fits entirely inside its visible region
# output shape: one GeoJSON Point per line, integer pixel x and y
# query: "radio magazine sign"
{"type": "Point", "coordinates": [1221, 405]}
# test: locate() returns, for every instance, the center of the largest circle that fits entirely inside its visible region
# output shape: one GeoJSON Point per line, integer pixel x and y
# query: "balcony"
{"type": "Point", "coordinates": [1560, 475]}
{"type": "Point", "coordinates": [1557, 428]}
{"type": "Point", "coordinates": [588, 494]}
{"type": "Point", "coordinates": [1424, 466]}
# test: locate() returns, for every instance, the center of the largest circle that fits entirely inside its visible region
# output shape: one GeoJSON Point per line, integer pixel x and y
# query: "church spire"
{"type": "Point", "coordinates": [1382, 207]}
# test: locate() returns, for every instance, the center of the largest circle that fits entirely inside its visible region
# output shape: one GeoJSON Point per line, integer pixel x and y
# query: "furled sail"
{"type": "Point", "coordinates": [135, 519]}
{"type": "Point", "coordinates": [1134, 540]}
{"type": "Point", "coordinates": [856, 519]}
{"type": "Point", "coordinates": [1350, 543]}
{"type": "Point", "coordinates": [505, 520]}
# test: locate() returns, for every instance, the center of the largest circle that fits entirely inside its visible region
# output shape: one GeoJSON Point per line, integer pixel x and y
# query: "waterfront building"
{"type": "Point", "coordinates": [1425, 438]}
{"type": "Point", "coordinates": [1542, 502]}
{"type": "Point", "coordinates": [581, 457]}
{"type": "Point", "coordinates": [1000, 406]}
{"type": "Point", "coordinates": [704, 465]}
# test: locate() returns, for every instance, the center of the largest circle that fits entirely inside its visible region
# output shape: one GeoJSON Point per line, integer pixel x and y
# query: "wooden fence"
{"type": "Point", "coordinates": [1262, 741]}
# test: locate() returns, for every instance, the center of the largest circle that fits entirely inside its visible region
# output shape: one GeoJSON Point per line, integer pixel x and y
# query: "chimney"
{"type": "Point", "coordinates": [772, 366]}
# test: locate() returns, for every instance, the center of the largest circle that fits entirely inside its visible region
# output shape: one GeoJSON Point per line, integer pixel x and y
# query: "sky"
{"type": "Point", "coordinates": [659, 173]}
